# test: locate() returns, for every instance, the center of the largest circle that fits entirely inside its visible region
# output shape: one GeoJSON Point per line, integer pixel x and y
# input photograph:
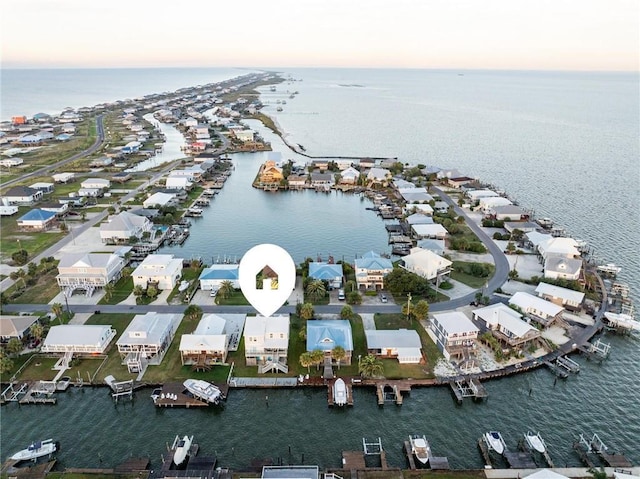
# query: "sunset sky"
{"type": "Point", "coordinates": [500, 34]}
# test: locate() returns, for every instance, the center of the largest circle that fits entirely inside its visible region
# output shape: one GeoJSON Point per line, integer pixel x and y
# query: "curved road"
{"type": "Point", "coordinates": [45, 169]}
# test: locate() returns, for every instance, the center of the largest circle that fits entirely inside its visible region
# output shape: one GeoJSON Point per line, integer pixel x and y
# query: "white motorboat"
{"type": "Point", "coordinates": [420, 448]}
{"type": "Point", "coordinates": [204, 390]}
{"type": "Point", "coordinates": [494, 441]}
{"type": "Point", "coordinates": [35, 450]}
{"type": "Point", "coordinates": [535, 442]}
{"type": "Point", "coordinates": [609, 269]}
{"type": "Point", "coordinates": [181, 449]}
{"type": "Point", "coordinates": [339, 392]}
{"type": "Point", "coordinates": [622, 320]}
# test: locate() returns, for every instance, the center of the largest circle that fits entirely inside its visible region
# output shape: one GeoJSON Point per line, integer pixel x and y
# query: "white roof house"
{"type": "Point", "coordinates": [535, 238]}
{"type": "Point", "coordinates": [88, 270]}
{"type": "Point", "coordinates": [99, 183]}
{"type": "Point", "coordinates": [160, 199]}
{"type": "Point", "coordinates": [533, 305]}
{"type": "Point", "coordinates": [378, 175]}
{"type": "Point", "coordinates": [430, 231]}
{"type": "Point", "coordinates": [567, 247]}
{"type": "Point", "coordinates": [558, 266]}
{"type": "Point", "coordinates": [78, 338]}
{"type": "Point", "coordinates": [475, 195]}
{"type": "Point", "coordinates": [266, 339]}
{"type": "Point", "coordinates": [413, 194]}
{"type": "Point", "coordinates": [147, 338]}
{"type": "Point", "coordinates": [212, 339]}
{"type": "Point", "coordinates": [561, 296]}
{"type": "Point", "coordinates": [419, 219]}
{"type": "Point", "coordinates": [426, 263]}
{"type": "Point", "coordinates": [451, 332]}
{"type": "Point", "coordinates": [403, 343]}
{"type": "Point", "coordinates": [349, 175]}
{"type": "Point", "coordinates": [179, 182]}
{"type": "Point", "coordinates": [488, 202]}
{"type": "Point", "coordinates": [161, 269]}
{"type": "Point", "coordinates": [124, 226]}
{"type": "Point", "coordinates": [502, 318]}
{"type": "Point", "coordinates": [425, 209]}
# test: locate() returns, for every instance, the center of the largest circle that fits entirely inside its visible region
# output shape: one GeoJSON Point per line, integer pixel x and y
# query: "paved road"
{"type": "Point", "coordinates": [46, 169]}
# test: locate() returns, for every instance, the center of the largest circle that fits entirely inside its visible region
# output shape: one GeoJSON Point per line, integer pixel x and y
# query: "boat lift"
{"type": "Point", "coordinates": [594, 445]}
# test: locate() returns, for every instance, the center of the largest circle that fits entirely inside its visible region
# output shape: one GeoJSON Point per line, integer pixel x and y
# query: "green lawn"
{"type": "Point", "coordinates": [235, 299]}
{"type": "Point", "coordinates": [43, 291]}
{"type": "Point", "coordinates": [122, 289]}
{"type": "Point", "coordinates": [473, 281]}
{"type": "Point", "coordinates": [12, 239]}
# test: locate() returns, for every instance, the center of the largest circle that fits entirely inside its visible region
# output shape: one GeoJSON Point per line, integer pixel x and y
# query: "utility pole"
{"type": "Point", "coordinates": [408, 306]}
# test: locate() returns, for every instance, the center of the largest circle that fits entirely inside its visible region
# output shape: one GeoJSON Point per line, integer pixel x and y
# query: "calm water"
{"type": "Point", "coordinates": [565, 144]}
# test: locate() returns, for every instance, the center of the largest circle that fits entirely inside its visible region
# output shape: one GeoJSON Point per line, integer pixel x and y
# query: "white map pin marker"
{"type": "Point", "coordinates": [277, 285]}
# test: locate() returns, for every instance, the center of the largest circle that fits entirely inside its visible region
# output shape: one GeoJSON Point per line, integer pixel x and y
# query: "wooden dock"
{"type": "Point", "coordinates": [39, 394]}
{"type": "Point", "coordinates": [556, 370]}
{"type": "Point", "coordinates": [353, 461]}
{"type": "Point", "coordinates": [385, 395]}
{"type": "Point", "coordinates": [520, 460]}
{"type": "Point", "coordinates": [463, 388]}
{"type": "Point", "coordinates": [167, 461]}
{"type": "Point", "coordinates": [177, 390]}
{"type": "Point", "coordinates": [615, 460]}
{"type": "Point", "coordinates": [37, 471]}
{"type": "Point", "coordinates": [330, 399]}
{"type": "Point", "coordinates": [484, 450]}
{"type": "Point", "coordinates": [409, 454]}
{"type": "Point", "coordinates": [584, 457]}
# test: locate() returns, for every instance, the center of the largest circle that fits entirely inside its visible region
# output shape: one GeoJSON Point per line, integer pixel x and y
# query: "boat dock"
{"type": "Point", "coordinates": [40, 392]}
{"type": "Point", "coordinates": [519, 460]}
{"type": "Point", "coordinates": [330, 400]}
{"type": "Point", "coordinates": [435, 462]}
{"type": "Point", "coordinates": [484, 450]}
{"type": "Point", "coordinates": [568, 364]}
{"type": "Point", "coordinates": [595, 446]}
{"type": "Point", "coordinates": [597, 350]}
{"type": "Point", "coordinates": [463, 388]}
{"type": "Point", "coordinates": [522, 444]}
{"type": "Point", "coordinates": [167, 461]}
{"type": "Point", "coordinates": [388, 393]}
{"type": "Point", "coordinates": [13, 392]}
{"type": "Point", "coordinates": [37, 471]}
{"type": "Point", "coordinates": [174, 395]}
{"type": "Point", "coordinates": [556, 370]}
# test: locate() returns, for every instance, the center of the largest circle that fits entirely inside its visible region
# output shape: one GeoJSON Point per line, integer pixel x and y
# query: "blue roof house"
{"type": "Point", "coordinates": [326, 334]}
{"type": "Point", "coordinates": [331, 273]}
{"type": "Point", "coordinates": [371, 269]}
{"type": "Point", "coordinates": [211, 278]}
{"type": "Point", "coordinates": [37, 220]}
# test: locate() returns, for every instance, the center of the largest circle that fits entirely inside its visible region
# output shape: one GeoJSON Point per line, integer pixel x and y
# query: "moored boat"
{"type": "Point", "coordinates": [494, 441]}
{"type": "Point", "coordinates": [535, 442]}
{"type": "Point", "coordinates": [181, 449]}
{"type": "Point", "coordinates": [609, 269]}
{"type": "Point", "coordinates": [339, 392]}
{"type": "Point", "coordinates": [420, 448]}
{"type": "Point", "coordinates": [204, 390]}
{"type": "Point", "coordinates": [35, 450]}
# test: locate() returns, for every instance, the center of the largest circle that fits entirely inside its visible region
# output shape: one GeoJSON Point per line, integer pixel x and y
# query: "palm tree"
{"type": "Point", "coordinates": [370, 366]}
{"type": "Point", "coordinates": [226, 288]}
{"type": "Point", "coordinates": [318, 357]}
{"type": "Point", "coordinates": [306, 311]}
{"type": "Point", "coordinates": [19, 274]}
{"type": "Point", "coordinates": [152, 291]}
{"type": "Point", "coordinates": [109, 288]}
{"type": "Point", "coordinates": [346, 312]}
{"type": "Point", "coordinates": [306, 360]}
{"type": "Point", "coordinates": [36, 331]}
{"type": "Point", "coordinates": [32, 269]}
{"type": "Point", "coordinates": [316, 290]}
{"type": "Point", "coordinates": [6, 363]}
{"type": "Point", "coordinates": [302, 334]}
{"type": "Point", "coordinates": [14, 346]}
{"type": "Point", "coordinates": [338, 354]}
{"type": "Point", "coordinates": [138, 291]}
{"type": "Point", "coordinates": [193, 311]}
{"type": "Point", "coordinates": [56, 308]}
{"type": "Point", "coordinates": [421, 310]}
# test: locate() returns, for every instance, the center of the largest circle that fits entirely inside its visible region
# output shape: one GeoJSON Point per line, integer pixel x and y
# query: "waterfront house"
{"type": "Point", "coordinates": [524, 226]}
{"type": "Point", "coordinates": [477, 195]}
{"type": "Point", "coordinates": [507, 213]}
{"type": "Point", "coordinates": [15, 327]}
{"type": "Point", "coordinates": [506, 325]}
{"type": "Point", "coordinates": [331, 273]}
{"type": "Point", "coordinates": [427, 264]}
{"type": "Point", "coordinates": [568, 298]}
{"type": "Point", "coordinates": [366, 163]}
{"type": "Point", "coordinates": [447, 173]}
{"type": "Point", "coordinates": [424, 209]}
{"type": "Point", "coordinates": [349, 176]}
{"type": "Point", "coordinates": [326, 334]}
{"type": "Point", "coordinates": [159, 200]}
{"type": "Point", "coordinates": [296, 182]}
{"type": "Point", "coordinates": [270, 174]}
{"type": "Point", "coordinates": [540, 310]}
{"type": "Point", "coordinates": [37, 220]}
{"type": "Point", "coordinates": [401, 344]}
{"type": "Point", "coordinates": [266, 342]}
{"type": "Point", "coordinates": [147, 339]}
{"type": "Point", "coordinates": [160, 270]}
{"type": "Point", "coordinates": [320, 165]}
{"type": "Point", "coordinates": [558, 266]}
{"type": "Point", "coordinates": [88, 271]}
{"type": "Point", "coordinates": [42, 186]}
{"type": "Point", "coordinates": [78, 339]}
{"type": "Point", "coordinates": [22, 195]}
{"type": "Point", "coordinates": [96, 183]}
{"type": "Point", "coordinates": [436, 246]}
{"type": "Point", "coordinates": [487, 203]}
{"type": "Point", "coordinates": [534, 238]}
{"type": "Point", "coordinates": [422, 231]}
{"type": "Point", "coordinates": [178, 182]}
{"type": "Point", "coordinates": [210, 342]}
{"type": "Point", "coordinates": [131, 147]}
{"type": "Point", "coordinates": [212, 277]}
{"type": "Point", "coordinates": [343, 164]}
{"type": "Point", "coordinates": [124, 226]}
{"type": "Point", "coordinates": [378, 176]}
{"type": "Point", "coordinates": [63, 177]}
{"type": "Point", "coordinates": [244, 135]}
{"type": "Point", "coordinates": [567, 247]}
{"type": "Point", "coordinates": [454, 334]}
{"type": "Point", "coordinates": [371, 269]}
{"type": "Point", "coordinates": [460, 181]}
{"type": "Point", "coordinates": [419, 219]}
{"type": "Point", "coordinates": [322, 180]}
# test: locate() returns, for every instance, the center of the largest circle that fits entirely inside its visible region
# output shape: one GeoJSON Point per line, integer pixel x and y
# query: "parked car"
{"type": "Point", "coordinates": [383, 298]}
{"type": "Point", "coordinates": [341, 295]}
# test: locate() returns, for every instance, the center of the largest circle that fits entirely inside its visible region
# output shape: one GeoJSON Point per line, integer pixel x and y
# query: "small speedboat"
{"type": "Point", "coordinates": [339, 392]}
{"type": "Point", "coordinates": [535, 442]}
{"type": "Point", "coordinates": [35, 450]}
{"type": "Point", "coordinates": [494, 441]}
{"type": "Point", "coordinates": [181, 448]}
{"type": "Point", "coordinates": [420, 448]}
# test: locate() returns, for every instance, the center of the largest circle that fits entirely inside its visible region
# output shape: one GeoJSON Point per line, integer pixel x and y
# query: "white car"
{"type": "Point", "coordinates": [383, 298]}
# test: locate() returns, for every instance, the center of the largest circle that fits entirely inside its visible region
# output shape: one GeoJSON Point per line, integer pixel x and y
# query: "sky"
{"type": "Point", "coordinates": [470, 34]}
